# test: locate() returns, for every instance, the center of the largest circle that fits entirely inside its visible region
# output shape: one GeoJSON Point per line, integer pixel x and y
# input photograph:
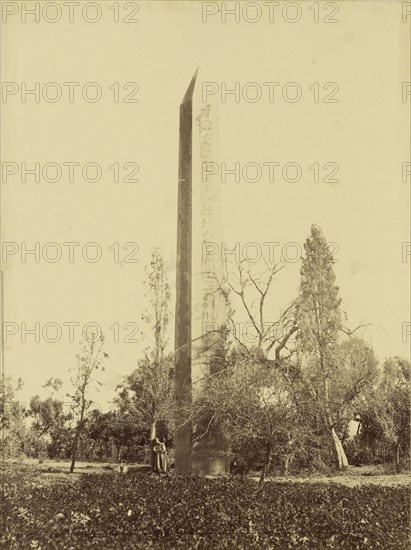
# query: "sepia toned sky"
{"type": "Point", "coordinates": [365, 133]}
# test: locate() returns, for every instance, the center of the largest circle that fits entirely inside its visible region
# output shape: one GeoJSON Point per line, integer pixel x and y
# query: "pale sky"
{"type": "Point", "coordinates": [366, 134]}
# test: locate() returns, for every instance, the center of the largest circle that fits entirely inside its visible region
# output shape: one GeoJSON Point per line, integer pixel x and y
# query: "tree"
{"type": "Point", "coordinates": [396, 388]}
{"type": "Point", "coordinates": [356, 368]}
{"type": "Point", "coordinates": [250, 394]}
{"type": "Point", "coordinates": [52, 385]}
{"type": "Point", "coordinates": [299, 359]}
{"type": "Point", "coordinates": [384, 414]}
{"type": "Point", "coordinates": [12, 416]}
{"type": "Point", "coordinates": [61, 444]}
{"type": "Point", "coordinates": [148, 392]}
{"type": "Point", "coordinates": [116, 428]}
{"type": "Point", "coordinates": [89, 362]}
{"type": "Point", "coordinates": [337, 372]}
{"type": "Point", "coordinates": [250, 285]}
{"type": "Point", "coordinates": [259, 409]}
{"type": "Point", "coordinates": [48, 413]}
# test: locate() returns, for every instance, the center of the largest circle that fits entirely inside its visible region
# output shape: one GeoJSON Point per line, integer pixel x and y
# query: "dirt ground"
{"type": "Point", "coordinates": [352, 479]}
{"type": "Point", "coordinates": [354, 476]}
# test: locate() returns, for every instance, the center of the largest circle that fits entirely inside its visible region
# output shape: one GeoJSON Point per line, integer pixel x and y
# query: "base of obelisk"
{"type": "Point", "coordinates": [210, 456]}
{"type": "Point", "coordinates": [210, 466]}
{"type": "Point", "coordinates": [200, 458]}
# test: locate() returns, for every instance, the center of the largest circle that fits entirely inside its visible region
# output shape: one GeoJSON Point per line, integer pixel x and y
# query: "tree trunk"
{"type": "Point", "coordinates": [153, 430]}
{"type": "Point", "coordinates": [267, 463]}
{"type": "Point", "coordinates": [397, 457]}
{"type": "Point", "coordinates": [74, 450]}
{"type": "Point", "coordinates": [153, 433]}
{"type": "Point", "coordinates": [287, 463]}
{"type": "Point", "coordinates": [340, 455]}
{"type": "Point", "coordinates": [76, 439]}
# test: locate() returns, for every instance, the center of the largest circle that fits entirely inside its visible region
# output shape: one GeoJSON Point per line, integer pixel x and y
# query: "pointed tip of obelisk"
{"type": "Point", "coordinates": [190, 90]}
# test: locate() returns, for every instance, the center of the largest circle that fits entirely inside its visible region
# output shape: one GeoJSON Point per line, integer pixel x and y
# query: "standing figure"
{"type": "Point", "coordinates": [160, 456]}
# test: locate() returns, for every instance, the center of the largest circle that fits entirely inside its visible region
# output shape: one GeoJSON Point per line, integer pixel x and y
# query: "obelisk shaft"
{"type": "Point", "coordinates": [183, 381]}
{"type": "Point", "coordinates": [200, 302]}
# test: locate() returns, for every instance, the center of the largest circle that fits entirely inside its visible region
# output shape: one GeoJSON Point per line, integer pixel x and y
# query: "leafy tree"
{"type": "Point", "coordinates": [384, 414]}
{"type": "Point", "coordinates": [148, 392]}
{"type": "Point", "coordinates": [97, 429]}
{"type": "Point", "coordinates": [116, 428]}
{"type": "Point", "coordinates": [8, 391]}
{"type": "Point", "coordinates": [356, 369]}
{"type": "Point", "coordinates": [336, 373]}
{"type": "Point", "coordinates": [48, 413]}
{"type": "Point", "coordinates": [396, 390]}
{"type": "Point", "coordinates": [13, 416]}
{"type": "Point", "coordinates": [61, 441]}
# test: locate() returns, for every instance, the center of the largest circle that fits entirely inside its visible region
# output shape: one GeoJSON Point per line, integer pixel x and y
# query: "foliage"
{"type": "Point", "coordinates": [116, 429]}
{"type": "Point", "coordinates": [263, 413]}
{"type": "Point", "coordinates": [337, 372]}
{"type": "Point", "coordinates": [291, 394]}
{"type": "Point", "coordinates": [110, 511]}
{"type": "Point", "coordinates": [384, 414]}
{"type": "Point", "coordinates": [147, 394]}
{"type": "Point", "coordinates": [48, 413]}
{"type": "Point", "coordinates": [279, 398]}
{"type": "Point", "coordinates": [61, 442]}
{"type": "Point", "coordinates": [319, 312]}
{"type": "Point", "coordinates": [13, 416]}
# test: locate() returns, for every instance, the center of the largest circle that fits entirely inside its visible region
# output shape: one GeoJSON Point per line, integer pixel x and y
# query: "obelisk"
{"type": "Point", "coordinates": [183, 380]}
{"type": "Point", "coordinates": [200, 303]}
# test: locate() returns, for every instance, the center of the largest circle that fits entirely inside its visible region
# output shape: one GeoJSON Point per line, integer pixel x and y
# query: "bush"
{"type": "Point", "coordinates": [239, 466]}
{"type": "Point", "coordinates": [42, 456]}
{"type": "Point", "coordinates": [250, 454]}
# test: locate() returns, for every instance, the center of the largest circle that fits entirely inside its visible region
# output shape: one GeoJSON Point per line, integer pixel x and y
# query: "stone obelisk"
{"type": "Point", "coordinates": [183, 379]}
{"type": "Point", "coordinates": [200, 306]}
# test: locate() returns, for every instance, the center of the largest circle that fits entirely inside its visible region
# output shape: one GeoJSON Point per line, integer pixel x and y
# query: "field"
{"type": "Point", "coordinates": [44, 507]}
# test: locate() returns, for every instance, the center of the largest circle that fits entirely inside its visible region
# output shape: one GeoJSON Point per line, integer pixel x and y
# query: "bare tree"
{"type": "Point", "coordinates": [250, 286]}
{"type": "Point", "coordinates": [83, 377]}
{"type": "Point", "coordinates": [250, 395]}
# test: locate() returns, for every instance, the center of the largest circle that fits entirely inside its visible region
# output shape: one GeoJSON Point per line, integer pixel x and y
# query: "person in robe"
{"type": "Point", "coordinates": [159, 456]}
